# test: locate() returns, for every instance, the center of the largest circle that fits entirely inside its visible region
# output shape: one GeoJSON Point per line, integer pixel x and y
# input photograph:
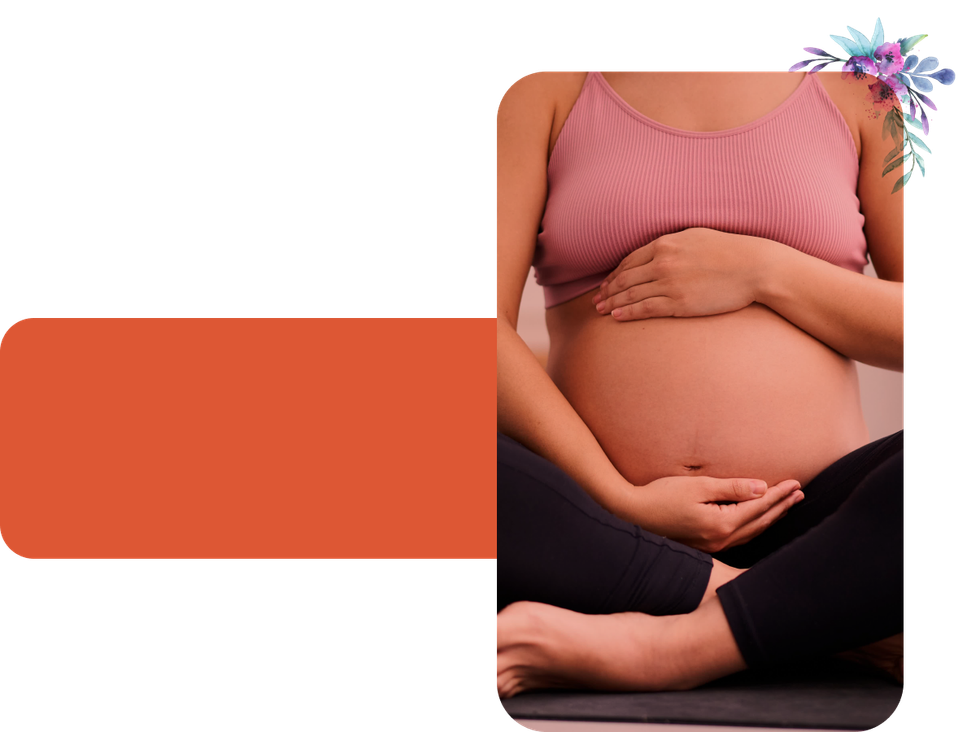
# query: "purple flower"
{"type": "Point", "coordinates": [861, 65]}
{"type": "Point", "coordinates": [890, 57]}
{"type": "Point", "coordinates": [886, 90]}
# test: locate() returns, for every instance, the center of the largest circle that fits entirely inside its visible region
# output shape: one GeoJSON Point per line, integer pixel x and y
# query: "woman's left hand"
{"type": "Point", "coordinates": [689, 273]}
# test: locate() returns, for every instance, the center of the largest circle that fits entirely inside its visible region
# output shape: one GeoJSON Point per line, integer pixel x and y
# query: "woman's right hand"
{"type": "Point", "coordinates": [710, 514]}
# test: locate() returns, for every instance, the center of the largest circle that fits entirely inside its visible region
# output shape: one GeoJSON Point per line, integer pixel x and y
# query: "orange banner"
{"type": "Point", "coordinates": [248, 438]}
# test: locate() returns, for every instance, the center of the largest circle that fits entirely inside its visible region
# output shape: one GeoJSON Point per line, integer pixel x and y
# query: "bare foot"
{"type": "Point", "coordinates": [544, 646]}
{"type": "Point", "coordinates": [887, 655]}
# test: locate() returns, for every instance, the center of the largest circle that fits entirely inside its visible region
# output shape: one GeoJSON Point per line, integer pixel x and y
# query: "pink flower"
{"type": "Point", "coordinates": [881, 95]}
{"type": "Point", "coordinates": [890, 57]}
{"type": "Point", "coordinates": [895, 85]}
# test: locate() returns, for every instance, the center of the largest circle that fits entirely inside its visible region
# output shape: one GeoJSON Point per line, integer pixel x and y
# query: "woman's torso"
{"type": "Point", "coordinates": [741, 394]}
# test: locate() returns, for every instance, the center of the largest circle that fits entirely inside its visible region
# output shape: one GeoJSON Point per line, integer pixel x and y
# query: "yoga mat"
{"type": "Point", "coordinates": [829, 694]}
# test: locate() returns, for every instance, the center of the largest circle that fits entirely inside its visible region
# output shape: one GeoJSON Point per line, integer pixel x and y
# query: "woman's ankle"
{"type": "Point", "coordinates": [703, 647]}
{"type": "Point", "coordinates": [721, 574]}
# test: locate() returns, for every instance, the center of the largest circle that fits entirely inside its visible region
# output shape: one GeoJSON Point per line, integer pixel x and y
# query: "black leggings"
{"type": "Point", "coordinates": [826, 578]}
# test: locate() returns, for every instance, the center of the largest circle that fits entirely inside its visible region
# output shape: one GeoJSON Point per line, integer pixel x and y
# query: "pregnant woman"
{"type": "Point", "coordinates": [701, 240]}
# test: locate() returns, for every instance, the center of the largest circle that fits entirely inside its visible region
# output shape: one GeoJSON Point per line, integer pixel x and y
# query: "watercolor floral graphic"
{"type": "Point", "coordinates": [898, 71]}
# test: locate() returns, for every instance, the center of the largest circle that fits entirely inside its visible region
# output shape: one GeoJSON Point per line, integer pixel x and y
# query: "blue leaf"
{"type": "Point", "coordinates": [817, 51]}
{"type": "Point", "coordinates": [902, 181]}
{"type": "Point", "coordinates": [927, 64]}
{"type": "Point", "coordinates": [904, 79]}
{"type": "Point", "coordinates": [945, 76]}
{"type": "Point", "coordinates": [910, 63]}
{"type": "Point", "coordinates": [922, 83]}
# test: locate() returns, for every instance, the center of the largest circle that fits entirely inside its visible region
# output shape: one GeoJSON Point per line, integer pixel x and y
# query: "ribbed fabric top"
{"type": "Point", "coordinates": [618, 180]}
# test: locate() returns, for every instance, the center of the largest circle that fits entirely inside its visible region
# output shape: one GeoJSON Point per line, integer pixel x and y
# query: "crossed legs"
{"type": "Point", "coordinates": [838, 586]}
{"type": "Point", "coordinates": [543, 646]}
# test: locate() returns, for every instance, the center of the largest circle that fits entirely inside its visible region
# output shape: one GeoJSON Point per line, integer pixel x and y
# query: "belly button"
{"type": "Point", "coordinates": [692, 467]}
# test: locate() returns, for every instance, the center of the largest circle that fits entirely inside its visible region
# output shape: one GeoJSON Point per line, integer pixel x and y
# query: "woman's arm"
{"type": "Point", "coordinates": [533, 411]}
{"type": "Point", "coordinates": [530, 408]}
{"type": "Point", "coordinates": [858, 316]}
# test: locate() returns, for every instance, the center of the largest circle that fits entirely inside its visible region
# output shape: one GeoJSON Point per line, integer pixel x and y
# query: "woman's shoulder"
{"type": "Point", "coordinates": [543, 97]}
{"type": "Point", "coordinates": [555, 86]}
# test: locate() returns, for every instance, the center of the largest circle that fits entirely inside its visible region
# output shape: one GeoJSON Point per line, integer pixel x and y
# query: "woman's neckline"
{"type": "Point", "coordinates": [803, 85]}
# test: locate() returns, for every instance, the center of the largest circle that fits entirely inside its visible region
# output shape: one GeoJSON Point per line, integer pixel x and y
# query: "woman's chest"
{"type": "Point", "coordinates": [691, 101]}
{"type": "Point", "coordinates": [618, 180]}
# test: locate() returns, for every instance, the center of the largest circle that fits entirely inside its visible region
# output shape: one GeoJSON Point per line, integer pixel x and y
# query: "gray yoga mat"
{"type": "Point", "coordinates": [829, 694]}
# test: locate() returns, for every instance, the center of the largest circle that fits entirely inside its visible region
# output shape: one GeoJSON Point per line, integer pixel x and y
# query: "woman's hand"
{"type": "Point", "coordinates": [689, 273]}
{"type": "Point", "coordinates": [710, 514]}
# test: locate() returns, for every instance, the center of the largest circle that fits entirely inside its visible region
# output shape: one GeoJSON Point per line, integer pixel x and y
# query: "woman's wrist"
{"type": "Point", "coordinates": [618, 496]}
{"type": "Point", "coordinates": [767, 260]}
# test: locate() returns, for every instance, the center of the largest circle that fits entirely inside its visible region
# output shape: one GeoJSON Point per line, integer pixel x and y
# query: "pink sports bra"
{"type": "Point", "coordinates": [618, 180]}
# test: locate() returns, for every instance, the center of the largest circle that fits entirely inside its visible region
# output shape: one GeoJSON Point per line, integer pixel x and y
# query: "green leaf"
{"type": "Point", "coordinates": [917, 124]}
{"type": "Point", "coordinates": [863, 41]}
{"type": "Point", "coordinates": [909, 43]}
{"type": "Point", "coordinates": [890, 155]}
{"type": "Point", "coordinates": [878, 37]}
{"type": "Point", "coordinates": [891, 166]}
{"type": "Point", "coordinates": [920, 143]}
{"type": "Point", "coordinates": [848, 45]}
{"type": "Point", "coordinates": [893, 125]}
{"type": "Point", "coordinates": [901, 182]}
{"type": "Point", "coordinates": [918, 159]}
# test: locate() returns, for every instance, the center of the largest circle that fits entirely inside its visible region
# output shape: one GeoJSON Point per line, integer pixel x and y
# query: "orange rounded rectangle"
{"type": "Point", "coordinates": [345, 438]}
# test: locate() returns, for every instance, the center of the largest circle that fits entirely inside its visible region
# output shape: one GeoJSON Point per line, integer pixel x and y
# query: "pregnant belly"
{"type": "Point", "coordinates": [743, 394]}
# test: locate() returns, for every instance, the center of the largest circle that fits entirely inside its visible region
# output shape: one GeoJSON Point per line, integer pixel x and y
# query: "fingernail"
{"type": "Point", "coordinates": [595, 298]}
{"type": "Point", "coordinates": [758, 487]}
{"type": "Point", "coordinates": [600, 306]}
{"type": "Point", "coordinates": [799, 497]}
{"type": "Point", "coordinates": [617, 312]}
